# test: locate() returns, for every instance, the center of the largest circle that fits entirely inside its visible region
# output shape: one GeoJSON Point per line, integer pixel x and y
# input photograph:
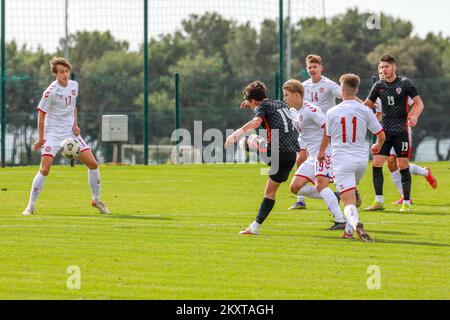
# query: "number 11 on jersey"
{"type": "Point", "coordinates": [344, 130]}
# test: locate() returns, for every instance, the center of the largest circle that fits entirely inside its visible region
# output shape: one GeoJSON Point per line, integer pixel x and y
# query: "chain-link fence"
{"type": "Point", "coordinates": [216, 48]}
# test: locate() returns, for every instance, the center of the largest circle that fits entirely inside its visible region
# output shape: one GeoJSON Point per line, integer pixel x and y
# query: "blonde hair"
{"type": "Point", "coordinates": [294, 86]}
{"type": "Point", "coordinates": [313, 58]}
{"type": "Point", "coordinates": [351, 83]}
{"type": "Point", "coordinates": [55, 61]}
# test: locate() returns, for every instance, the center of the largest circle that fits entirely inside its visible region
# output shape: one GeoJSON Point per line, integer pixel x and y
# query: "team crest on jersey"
{"type": "Point", "coordinates": [74, 92]}
{"type": "Point", "coordinates": [322, 90]}
{"type": "Point", "coordinates": [398, 90]}
{"type": "Point", "coordinates": [48, 148]}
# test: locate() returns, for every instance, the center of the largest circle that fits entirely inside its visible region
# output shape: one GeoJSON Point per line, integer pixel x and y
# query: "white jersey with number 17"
{"type": "Point", "coordinates": [58, 103]}
{"type": "Point", "coordinates": [347, 125]}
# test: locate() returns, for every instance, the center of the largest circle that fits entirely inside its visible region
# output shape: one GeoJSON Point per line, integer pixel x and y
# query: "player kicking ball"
{"type": "Point", "coordinates": [311, 124]}
{"type": "Point", "coordinates": [346, 129]}
{"type": "Point", "coordinates": [275, 117]}
{"type": "Point", "coordinates": [57, 120]}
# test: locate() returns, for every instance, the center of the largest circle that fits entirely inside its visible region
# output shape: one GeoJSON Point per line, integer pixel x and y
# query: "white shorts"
{"type": "Point", "coordinates": [51, 145]}
{"type": "Point", "coordinates": [312, 167]}
{"type": "Point", "coordinates": [348, 174]}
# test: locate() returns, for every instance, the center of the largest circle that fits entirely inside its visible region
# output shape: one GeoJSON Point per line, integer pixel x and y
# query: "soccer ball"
{"type": "Point", "coordinates": [253, 143]}
{"type": "Point", "coordinates": [70, 148]}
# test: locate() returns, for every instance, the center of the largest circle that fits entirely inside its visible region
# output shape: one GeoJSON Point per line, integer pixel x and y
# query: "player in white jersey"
{"type": "Point", "coordinates": [346, 128]}
{"type": "Point", "coordinates": [310, 122]}
{"type": "Point", "coordinates": [392, 162]}
{"type": "Point", "coordinates": [322, 92]}
{"type": "Point", "coordinates": [57, 120]}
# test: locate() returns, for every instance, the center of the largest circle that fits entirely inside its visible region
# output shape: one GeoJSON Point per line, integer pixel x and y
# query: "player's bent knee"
{"type": "Point", "coordinates": [44, 171]}
{"type": "Point", "coordinates": [92, 165]}
{"type": "Point", "coordinates": [295, 188]}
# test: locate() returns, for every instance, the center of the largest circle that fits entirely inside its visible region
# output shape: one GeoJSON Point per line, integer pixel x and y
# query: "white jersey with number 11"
{"type": "Point", "coordinates": [347, 125]}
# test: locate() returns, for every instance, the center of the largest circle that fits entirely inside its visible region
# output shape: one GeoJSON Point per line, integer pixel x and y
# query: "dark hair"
{"type": "Point", "coordinates": [255, 90]}
{"type": "Point", "coordinates": [388, 58]}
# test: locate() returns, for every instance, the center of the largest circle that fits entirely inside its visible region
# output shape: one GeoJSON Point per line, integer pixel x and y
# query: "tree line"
{"type": "Point", "coordinates": [215, 58]}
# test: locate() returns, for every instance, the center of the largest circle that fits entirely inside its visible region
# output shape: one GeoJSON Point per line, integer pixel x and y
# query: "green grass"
{"type": "Point", "coordinates": [173, 234]}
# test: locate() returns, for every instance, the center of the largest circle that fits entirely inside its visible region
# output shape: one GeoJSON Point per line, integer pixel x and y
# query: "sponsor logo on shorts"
{"type": "Point", "coordinates": [74, 92]}
{"type": "Point", "coordinates": [48, 148]}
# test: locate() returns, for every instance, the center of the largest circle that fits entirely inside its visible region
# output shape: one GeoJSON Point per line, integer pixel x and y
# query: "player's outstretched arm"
{"type": "Point", "coordinates": [249, 126]}
{"type": "Point", "coordinates": [416, 111]}
{"type": "Point", "coordinates": [40, 124]}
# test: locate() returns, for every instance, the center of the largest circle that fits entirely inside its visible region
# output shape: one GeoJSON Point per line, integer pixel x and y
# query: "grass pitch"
{"type": "Point", "coordinates": [174, 230]}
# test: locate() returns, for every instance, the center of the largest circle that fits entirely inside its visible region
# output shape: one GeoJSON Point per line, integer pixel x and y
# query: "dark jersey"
{"type": "Point", "coordinates": [394, 101]}
{"type": "Point", "coordinates": [277, 116]}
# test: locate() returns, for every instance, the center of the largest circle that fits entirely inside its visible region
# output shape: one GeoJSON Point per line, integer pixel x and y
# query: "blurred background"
{"type": "Point", "coordinates": [193, 58]}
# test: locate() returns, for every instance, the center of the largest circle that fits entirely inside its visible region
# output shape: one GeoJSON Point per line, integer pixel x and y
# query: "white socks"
{"type": "Point", "coordinates": [36, 188]}
{"type": "Point", "coordinates": [331, 201]}
{"type": "Point", "coordinates": [300, 198]}
{"type": "Point", "coordinates": [351, 214]}
{"type": "Point", "coordinates": [380, 199]}
{"type": "Point", "coordinates": [94, 183]}
{"type": "Point", "coordinates": [397, 178]}
{"type": "Point", "coordinates": [310, 192]}
{"type": "Point", "coordinates": [415, 169]}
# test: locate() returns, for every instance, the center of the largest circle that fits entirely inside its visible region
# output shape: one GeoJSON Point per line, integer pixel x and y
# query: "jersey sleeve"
{"type": "Point", "coordinates": [328, 124]}
{"type": "Point", "coordinates": [45, 102]}
{"type": "Point", "coordinates": [335, 90]}
{"type": "Point", "coordinates": [318, 118]}
{"type": "Point", "coordinates": [261, 111]}
{"type": "Point", "coordinates": [373, 95]}
{"type": "Point", "coordinates": [410, 89]}
{"type": "Point", "coordinates": [373, 124]}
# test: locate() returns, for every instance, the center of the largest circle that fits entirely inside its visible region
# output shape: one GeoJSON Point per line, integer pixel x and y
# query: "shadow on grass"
{"type": "Point", "coordinates": [138, 217]}
{"type": "Point", "coordinates": [114, 216]}
{"type": "Point", "coordinates": [418, 212]}
{"type": "Point", "coordinates": [393, 232]}
{"type": "Point", "coordinates": [421, 243]}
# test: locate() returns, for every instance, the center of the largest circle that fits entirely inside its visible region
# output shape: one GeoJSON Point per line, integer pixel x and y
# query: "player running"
{"type": "Point", "coordinates": [311, 124]}
{"type": "Point", "coordinates": [346, 128]}
{"type": "Point", "coordinates": [275, 117]}
{"type": "Point", "coordinates": [391, 160]}
{"type": "Point", "coordinates": [394, 92]}
{"type": "Point", "coordinates": [57, 120]}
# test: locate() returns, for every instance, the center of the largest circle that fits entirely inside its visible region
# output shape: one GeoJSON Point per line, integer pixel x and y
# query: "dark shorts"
{"type": "Point", "coordinates": [281, 169]}
{"type": "Point", "coordinates": [399, 141]}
